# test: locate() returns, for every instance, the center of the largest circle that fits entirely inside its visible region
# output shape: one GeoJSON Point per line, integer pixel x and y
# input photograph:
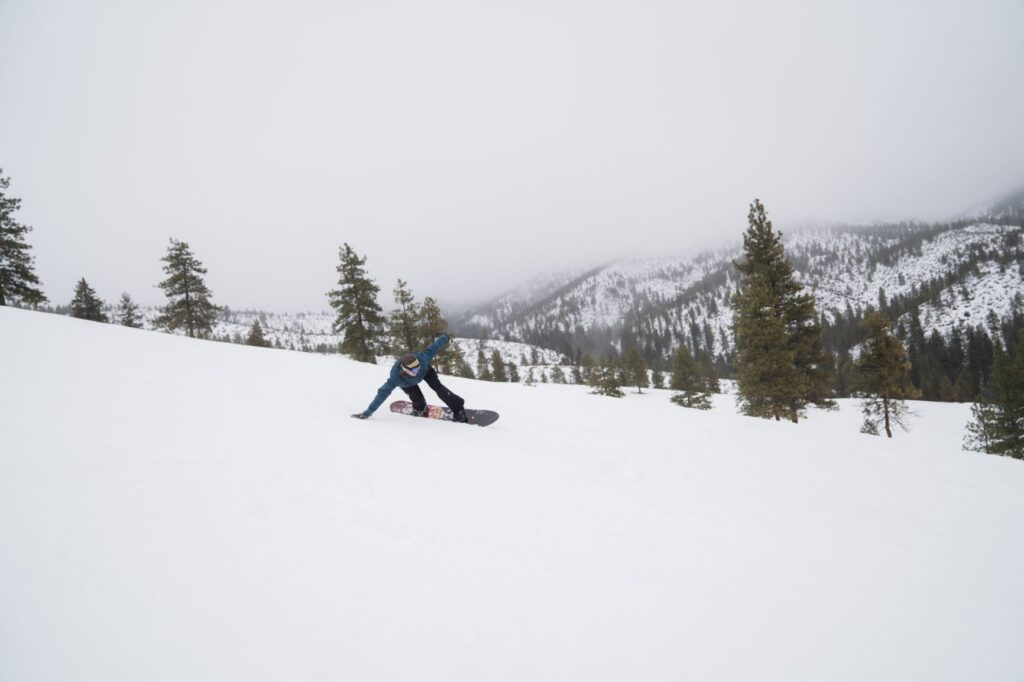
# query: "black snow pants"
{"type": "Point", "coordinates": [454, 402]}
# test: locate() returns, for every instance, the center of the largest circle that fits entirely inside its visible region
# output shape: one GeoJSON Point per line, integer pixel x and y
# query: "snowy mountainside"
{"type": "Point", "coordinates": [960, 273]}
{"type": "Point", "coordinates": [178, 509]}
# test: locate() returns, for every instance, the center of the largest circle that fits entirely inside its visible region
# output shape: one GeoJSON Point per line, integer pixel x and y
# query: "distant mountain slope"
{"type": "Point", "coordinates": [954, 274]}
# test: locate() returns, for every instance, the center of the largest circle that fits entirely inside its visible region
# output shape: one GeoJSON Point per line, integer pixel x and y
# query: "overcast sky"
{"type": "Point", "coordinates": [467, 146]}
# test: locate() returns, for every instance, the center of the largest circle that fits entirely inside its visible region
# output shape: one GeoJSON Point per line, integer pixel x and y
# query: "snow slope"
{"type": "Point", "coordinates": [174, 509]}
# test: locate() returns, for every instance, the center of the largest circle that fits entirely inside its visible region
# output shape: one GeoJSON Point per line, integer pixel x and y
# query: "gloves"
{"type": "Point", "coordinates": [360, 415]}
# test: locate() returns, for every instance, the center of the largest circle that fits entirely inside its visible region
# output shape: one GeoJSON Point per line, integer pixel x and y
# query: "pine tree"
{"type": "Point", "coordinates": [707, 370]}
{"type": "Point", "coordinates": [432, 325]}
{"type": "Point", "coordinates": [256, 337]}
{"type": "Point", "coordinates": [127, 313]}
{"type": "Point", "coordinates": [587, 365]}
{"type": "Point", "coordinates": [657, 378]}
{"type": "Point", "coordinates": [513, 372]}
{"type": "Point", "coordinates": [461, 366]}
{"type": "Point", "coordinates": [404, 321]}
{"type": "Point", "coordinates": [983, 428]}
{"type": "Point", "coordinates": [359, 318]}
{"type": "Point", "coordinates": [86, 305]}
{"type": "Point", "coordinates": [882, 377]}
{"type": "Point", "coordinates": [557, 375]}
{"type": "Point", "coordinates": [997, 425]}
{"type": "Point", "coordinates": [686, 379]}
{"type": "Point", "coordinates": [604, 379]}
{"type": "Point", "coordinates": [530, 379]}
{"type": "Point", "coordinates": [188, 298]}
{"type": "Point", "coordinates": [636, 369]}
{"type": "Point", "coordinates": [483, 371]}
{"type": "Point", "coordinates": [498, 372]}
{"type": "Point", "coordinates": [18, 281]}
{"type": "Point", "coordinates": [779, 353]}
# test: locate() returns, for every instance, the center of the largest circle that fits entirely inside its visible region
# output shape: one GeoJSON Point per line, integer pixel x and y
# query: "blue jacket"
{"type": "Point", "coordinates": [398, 378]}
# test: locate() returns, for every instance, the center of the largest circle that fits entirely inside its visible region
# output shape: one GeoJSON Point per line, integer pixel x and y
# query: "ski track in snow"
{"type": "Point", "coordinates": [173, 509]}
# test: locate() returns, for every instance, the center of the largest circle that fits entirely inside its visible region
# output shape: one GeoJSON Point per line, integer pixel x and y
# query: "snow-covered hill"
{"type": "Point", "coordinates": [313, 332]}
{"type": "Point", "coordinates": [173, 509]}
{"type": "Point", "coordinates": [959, 274]}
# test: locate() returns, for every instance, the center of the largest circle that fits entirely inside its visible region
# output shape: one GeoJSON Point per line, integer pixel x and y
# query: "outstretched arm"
{"type": "Point", "coordinates": [382, 394]}
{"type": "Point", "coordinates": [435, 348]}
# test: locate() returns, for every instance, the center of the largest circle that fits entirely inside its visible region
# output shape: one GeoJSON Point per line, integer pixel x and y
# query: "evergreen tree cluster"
{"type": "Point", "coordinates": [656, 323]}
{"type": "Point", "coordinates": [366, 332]}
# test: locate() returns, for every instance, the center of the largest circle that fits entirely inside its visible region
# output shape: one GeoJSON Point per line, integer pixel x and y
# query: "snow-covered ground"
{"type": "Point", "coordinates": [173, 509]}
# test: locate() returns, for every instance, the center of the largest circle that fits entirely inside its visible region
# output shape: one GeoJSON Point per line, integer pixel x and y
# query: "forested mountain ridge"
{"type": "Point", "coordinates": [945, 278]}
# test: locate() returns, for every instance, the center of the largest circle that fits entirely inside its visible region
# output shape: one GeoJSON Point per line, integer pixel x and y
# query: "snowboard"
{"type": "Point", "coordinates": [478, 417]}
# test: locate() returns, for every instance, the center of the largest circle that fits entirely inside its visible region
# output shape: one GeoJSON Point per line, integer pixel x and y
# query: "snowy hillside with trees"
{"type": "Point", "coordinates": [953, 292]}
{"type": "Point", "coordinates": [959, 274]}
{"type": "Point", "coordinates": [175, 509]}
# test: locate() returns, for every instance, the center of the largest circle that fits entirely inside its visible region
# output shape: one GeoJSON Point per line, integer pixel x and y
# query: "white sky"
{"type": "Point", "coordinates": [467, 146]}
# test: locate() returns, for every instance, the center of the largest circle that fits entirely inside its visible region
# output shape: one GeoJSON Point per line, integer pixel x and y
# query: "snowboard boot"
{"type": "Point", "coordinates": [460, 417]}
{"type": "Point", "coordinates": [419, 413]}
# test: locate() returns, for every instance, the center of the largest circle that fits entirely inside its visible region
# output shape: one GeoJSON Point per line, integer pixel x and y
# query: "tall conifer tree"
{"type": "Point", "coordinates": [404, 321]}
{"type": "Point", "coordinates": [18, 281]}
{"type": "Point", "coordinates": [359, 318]}
{"type": "Point", "coordinates": [188, 298]}
{"type": "Point", "coordinates": [86, 305]}
{"type": "Point", "coordinates": [779, 352]}
{"type": "Point", "coordinates": [882, 376]}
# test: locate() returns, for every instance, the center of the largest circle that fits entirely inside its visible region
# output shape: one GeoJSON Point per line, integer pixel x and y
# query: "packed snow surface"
{"type": "Point", "coordinates": [173, 509]}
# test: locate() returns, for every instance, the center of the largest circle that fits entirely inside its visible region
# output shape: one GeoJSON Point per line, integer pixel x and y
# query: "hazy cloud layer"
{"type": "Point", "coordinates": [466, 146]}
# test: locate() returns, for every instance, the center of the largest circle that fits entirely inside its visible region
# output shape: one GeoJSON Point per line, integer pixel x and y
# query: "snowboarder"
{"type": "Point", "coordinates": [408, 371]}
